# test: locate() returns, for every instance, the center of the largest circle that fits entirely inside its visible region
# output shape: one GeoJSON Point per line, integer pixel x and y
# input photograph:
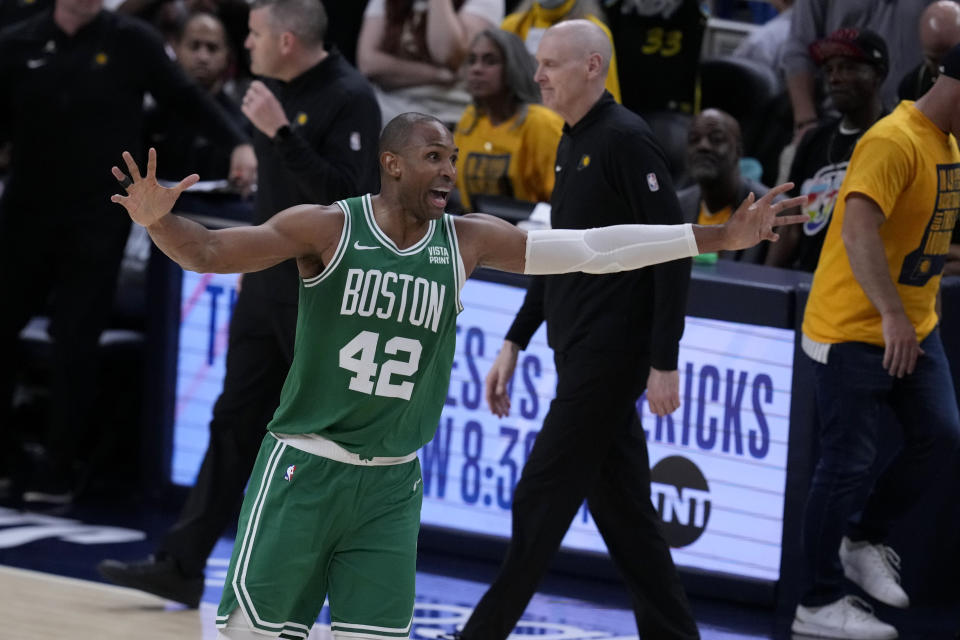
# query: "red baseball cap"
{"type": "Point", "coordinates": [860, 44]}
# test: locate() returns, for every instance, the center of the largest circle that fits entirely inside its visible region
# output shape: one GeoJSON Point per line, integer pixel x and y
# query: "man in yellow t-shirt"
{"type": "Point", "coordinates": [871, 329]}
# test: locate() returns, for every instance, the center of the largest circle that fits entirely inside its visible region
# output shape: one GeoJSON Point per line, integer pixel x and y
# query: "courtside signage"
{"type": "Point", "coordinates": [718, 463]}
{"type": "Point", "coordinates": [206, 304]}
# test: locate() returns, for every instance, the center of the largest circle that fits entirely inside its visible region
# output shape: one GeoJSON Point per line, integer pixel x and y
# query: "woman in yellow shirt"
{"type": "Point", "coordinates": [507, 140]}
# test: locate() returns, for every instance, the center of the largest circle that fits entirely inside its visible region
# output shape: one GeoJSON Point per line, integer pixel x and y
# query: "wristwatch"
{"type": "Point", "coordinates": [283, 134]}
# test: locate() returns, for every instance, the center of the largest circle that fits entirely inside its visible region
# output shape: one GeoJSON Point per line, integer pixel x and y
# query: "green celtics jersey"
{"type": "Point", "coordinates": [376, 331]}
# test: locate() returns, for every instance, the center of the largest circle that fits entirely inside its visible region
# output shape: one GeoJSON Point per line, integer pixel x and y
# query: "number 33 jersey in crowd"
{"type": "Point", "coordinates": [376, 332]}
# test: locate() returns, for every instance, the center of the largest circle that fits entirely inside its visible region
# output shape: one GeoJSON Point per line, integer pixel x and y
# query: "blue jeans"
{"type": "Point", "coordinates": [851, 389]}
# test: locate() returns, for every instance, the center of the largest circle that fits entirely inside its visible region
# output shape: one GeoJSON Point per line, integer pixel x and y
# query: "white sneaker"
{"type": "Point", "coordinates": [849, 618]}
{"type": "Point", "coordinates": [876, 568]}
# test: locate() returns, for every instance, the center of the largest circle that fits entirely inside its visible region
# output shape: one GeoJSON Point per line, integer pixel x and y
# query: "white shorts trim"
{"type": "Point", "coordinates": [320, 446]}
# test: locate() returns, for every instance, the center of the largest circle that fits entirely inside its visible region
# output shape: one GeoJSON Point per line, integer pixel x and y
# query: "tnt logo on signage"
{"type": "Point", "coordinates": [682, 498]}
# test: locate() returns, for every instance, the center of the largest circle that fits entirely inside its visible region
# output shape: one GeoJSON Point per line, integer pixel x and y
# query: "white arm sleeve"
{"type": "Point", "coordinates": [607, 249]}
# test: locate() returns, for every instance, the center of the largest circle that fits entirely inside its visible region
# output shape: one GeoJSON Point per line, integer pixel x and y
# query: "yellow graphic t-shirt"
{"type": "Point", "coordinates": [531, 24]}
{"type": "Point", "coordinates": [506, 159]}
{"type": "Point", "coordinates": [911, 169]}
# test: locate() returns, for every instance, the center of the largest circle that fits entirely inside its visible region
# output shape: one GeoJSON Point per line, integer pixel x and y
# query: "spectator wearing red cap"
{"type": "Point", "coordinates": [815, 19]}
{"type": "Point", "coordinates": [854, 64]}
{"type": "Point", "coordinates": [871, 329]}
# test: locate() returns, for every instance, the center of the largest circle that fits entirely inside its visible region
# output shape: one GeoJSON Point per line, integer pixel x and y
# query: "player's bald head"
{"type": "Point", "coordinates": [582, 38]}
{"type": "Point", "coordinates": [939, 28]}
{"type": "Point", "coordinates": [407, 128]}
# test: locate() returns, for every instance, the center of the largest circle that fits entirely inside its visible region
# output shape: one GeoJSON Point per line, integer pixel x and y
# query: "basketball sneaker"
{"type": "Point", "coordinates": [159, 575]}
{"type": "Point", "coordinates": [876, 568]}
{"type": "Point", "coordinates": [50, 488]}
{"type": "Point", "coordinates": [849, 618]}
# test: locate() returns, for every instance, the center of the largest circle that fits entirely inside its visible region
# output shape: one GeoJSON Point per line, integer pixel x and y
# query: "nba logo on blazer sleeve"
{"type": "Point", "coordinates": [652, 183]}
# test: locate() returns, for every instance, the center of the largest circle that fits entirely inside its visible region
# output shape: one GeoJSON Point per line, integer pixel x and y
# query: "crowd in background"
{"type": "Point", "coordinates": [416, 56]}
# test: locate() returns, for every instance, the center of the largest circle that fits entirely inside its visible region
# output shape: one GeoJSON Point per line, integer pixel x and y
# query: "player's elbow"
{"type": "Point", "coordinates": [200, 259]}
{"type": "Point", "coordinates": [195, 265]}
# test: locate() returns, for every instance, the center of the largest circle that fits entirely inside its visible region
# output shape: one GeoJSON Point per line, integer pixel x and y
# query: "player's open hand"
{"type": "Point", "coordinates": [754, 220]}
{"type": "Point", "coordinates": [146, 201]}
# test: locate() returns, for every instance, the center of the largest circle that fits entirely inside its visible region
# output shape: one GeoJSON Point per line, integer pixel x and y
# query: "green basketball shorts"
{"type": "Point", "coordinates": [311, 528]}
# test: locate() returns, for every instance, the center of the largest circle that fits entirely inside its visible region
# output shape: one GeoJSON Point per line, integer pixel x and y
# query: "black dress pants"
{"type": "Point", "coordinates": [64, 265]}
{"type": "Point", "coordinates": [591, 447]}
{"type": "Point", "coordinates": [259, 354]}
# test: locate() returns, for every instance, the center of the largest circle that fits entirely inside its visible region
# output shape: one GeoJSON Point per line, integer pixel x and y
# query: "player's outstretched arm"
{"type": "Point", "coordinates": [306, 230]}
{"type": "Point", "coordinates": [488, 241]}
{"type": "Point", "coordinates": [491, 242]}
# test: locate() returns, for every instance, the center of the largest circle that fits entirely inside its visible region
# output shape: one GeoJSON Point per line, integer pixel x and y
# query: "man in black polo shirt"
{"type": "Point", "coordinates": [612, 336]}
{"type": "Point", "coordinates": [73, 82]}
{"type": "Point", "coordinates": [317, 125]}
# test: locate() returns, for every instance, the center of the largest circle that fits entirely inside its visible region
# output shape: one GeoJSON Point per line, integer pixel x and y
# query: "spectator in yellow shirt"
{"type": "Point", "coordinates": [507, 140]}
{"type": "Point", "coordinates": [870, 328]}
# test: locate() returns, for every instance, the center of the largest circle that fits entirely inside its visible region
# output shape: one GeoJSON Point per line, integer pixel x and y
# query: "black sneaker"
{"type": "Point", "coordinates": [159, 576]}
{"type": "Point", "coordinates": [50, 489]}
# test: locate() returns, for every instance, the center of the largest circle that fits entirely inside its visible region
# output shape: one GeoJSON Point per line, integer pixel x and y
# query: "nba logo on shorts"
{"type": "Point", "coordinates": [288, 476]}
{"type": "Point", "coordinates": [652, 182]}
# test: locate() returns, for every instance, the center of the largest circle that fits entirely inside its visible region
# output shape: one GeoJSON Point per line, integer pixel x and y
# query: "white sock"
{"type": "Point", "coordinates": [238, 629]}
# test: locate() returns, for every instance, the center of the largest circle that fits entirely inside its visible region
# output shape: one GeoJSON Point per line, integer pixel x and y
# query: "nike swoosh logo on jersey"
{"type": "Point", "coordinates": [361, 247]}
{"type": "Point", "coordinates": [34, 64]}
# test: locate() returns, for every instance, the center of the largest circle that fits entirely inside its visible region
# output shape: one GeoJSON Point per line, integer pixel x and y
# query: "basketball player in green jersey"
{"type": "Point", "coordinates": [333, 504]}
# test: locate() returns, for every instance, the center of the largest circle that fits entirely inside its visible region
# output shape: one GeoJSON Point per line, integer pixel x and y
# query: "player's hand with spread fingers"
{"type": "Point", "coordinates": [147, 201]}
{"type": "Point", "coordinates": [754, 219]}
